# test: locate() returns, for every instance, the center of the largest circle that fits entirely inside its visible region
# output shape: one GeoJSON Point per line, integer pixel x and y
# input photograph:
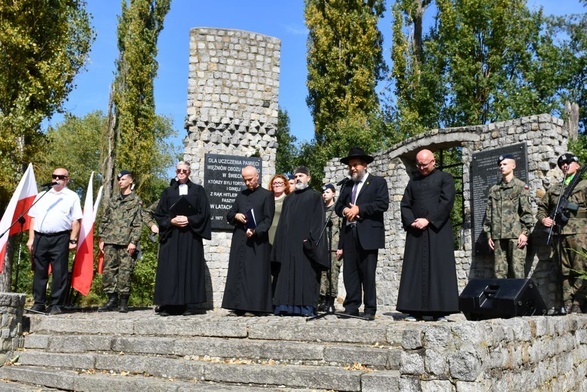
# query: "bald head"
{"type": "Point", "coordinates": [250, 177]}
{"type": "Point", "coordinates": [425, 162]}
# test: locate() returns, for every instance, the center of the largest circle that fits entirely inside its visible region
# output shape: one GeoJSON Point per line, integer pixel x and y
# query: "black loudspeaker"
{"type": "Point", "coordinates": [501, 298]}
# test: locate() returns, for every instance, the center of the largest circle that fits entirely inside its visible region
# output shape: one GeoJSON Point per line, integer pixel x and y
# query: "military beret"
{"type": "Point", "coordinates": [124, 173]}
{"type": "Point", "coordinates": [567, 158]}
{"type": "Point", "coordinates": [505, 156]}
{"type": "Point", "coordinates": [329, 186]}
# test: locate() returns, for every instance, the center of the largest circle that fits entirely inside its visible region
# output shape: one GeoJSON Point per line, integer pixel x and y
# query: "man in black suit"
{"type": "Point", "coordinates": [362, 202]}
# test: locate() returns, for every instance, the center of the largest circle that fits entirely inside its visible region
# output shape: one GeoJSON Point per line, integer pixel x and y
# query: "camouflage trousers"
{"type": "Point", "coordinates": [573, 261]}
{"type": "Point", "coordinates": [329, 279]}
{"type": "Point", "coordinates": [118, 268]}
{"type": "Point", "coordinates": [509, 260]}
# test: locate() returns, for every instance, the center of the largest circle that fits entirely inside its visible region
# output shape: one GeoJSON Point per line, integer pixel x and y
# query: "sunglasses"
{"type": "Point", "coordinates": [59, 176]}
{"type": "Point", "coordinates": [182, 171]}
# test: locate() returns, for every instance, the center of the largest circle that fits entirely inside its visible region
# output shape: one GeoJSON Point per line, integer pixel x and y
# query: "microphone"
{"type": "Point", "coordinates": [50, 184]}
{"type": "Point", "coordinates": [343, 181]}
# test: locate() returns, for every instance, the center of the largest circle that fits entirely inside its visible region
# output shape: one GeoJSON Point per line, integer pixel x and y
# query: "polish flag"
{"type": "Point", "coordinates": [21, 201]}
{"type": "Point", "coordinates": [83, 263]}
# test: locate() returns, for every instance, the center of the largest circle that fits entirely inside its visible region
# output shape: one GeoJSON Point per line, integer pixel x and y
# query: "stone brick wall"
{"type": "Point", "coordinates": [518, 354]}
{"type": "Point", "coordinates": [546, 138]}
{"type": "Point", "coordinates": [11, 311]}
{"type": "Point", "coordinates": [232, 109]}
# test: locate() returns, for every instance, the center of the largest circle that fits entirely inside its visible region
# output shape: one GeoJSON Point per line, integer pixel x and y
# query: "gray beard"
{"type": "Point", "coordinates": [300, 186]}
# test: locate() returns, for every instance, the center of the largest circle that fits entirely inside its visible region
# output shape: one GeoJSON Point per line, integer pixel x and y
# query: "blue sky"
{"type": "Point", "coordinates": [283, 19]}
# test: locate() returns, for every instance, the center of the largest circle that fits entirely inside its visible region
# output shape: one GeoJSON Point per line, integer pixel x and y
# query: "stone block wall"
{"type": "Point", "coordinates": [232, 109]}
{"type": "Point", "coordinates": [518, 354]}
{"type": "Point", "coordinates": [546, 139]}
{"type": "Point", "coordinates": [11, 311]}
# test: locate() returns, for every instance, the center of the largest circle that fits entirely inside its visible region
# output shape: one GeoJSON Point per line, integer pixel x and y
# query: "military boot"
{"type": "Point", "coordinates": [111, 304]}
{"type": "Point", "coordinates": [321, 304]}
{"type": "Point", "coordinates": [123, 308]}
{"type": "Point", "coordinates": [329, 304]}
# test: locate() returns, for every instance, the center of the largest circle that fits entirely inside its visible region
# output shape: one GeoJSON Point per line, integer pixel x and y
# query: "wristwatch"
{"type": "Point", "coordinates": [73, 241]}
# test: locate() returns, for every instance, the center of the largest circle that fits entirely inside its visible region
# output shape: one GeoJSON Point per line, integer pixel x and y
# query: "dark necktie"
{"type": "Point", "coordinates": [354, 193]}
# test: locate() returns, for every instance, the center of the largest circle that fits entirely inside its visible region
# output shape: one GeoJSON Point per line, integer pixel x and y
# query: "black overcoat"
{"type": "Point", "coordinates": [180, 277]}
{"type": "Point", "coordinates": [248, 282]}
{"type": "Point", "coordinates": [428, 281]}
{"type": "Point", "coordinates": [300, 248]}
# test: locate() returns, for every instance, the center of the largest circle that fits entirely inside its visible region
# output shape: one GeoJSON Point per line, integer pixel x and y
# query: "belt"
{"type": "Point", "coordinates": [52, 234]}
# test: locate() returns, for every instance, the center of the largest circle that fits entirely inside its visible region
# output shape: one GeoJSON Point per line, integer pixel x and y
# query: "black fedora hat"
{"type": "Point", "coordinates": [356, 152]}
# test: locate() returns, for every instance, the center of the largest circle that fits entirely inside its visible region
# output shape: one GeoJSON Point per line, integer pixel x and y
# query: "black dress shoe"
{"type": "Point", "coordinates": [354, 313]}
{"type": "Point", "coordinates": [38, 308]}
{"type": "Point", "coordinates": [55, 310]}
{"type": "Point", "coordinates": [369, 316]}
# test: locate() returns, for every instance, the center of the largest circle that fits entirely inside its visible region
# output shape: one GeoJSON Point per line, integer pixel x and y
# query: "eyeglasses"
{"type": "Point", "coordinates": [59, 176]}
{"type": "Point", "coordinates": [423, 165]}
{"type": "Point", "coordinates": [182, 171]}
{"type": "Point", "coordinates": [278, 184]}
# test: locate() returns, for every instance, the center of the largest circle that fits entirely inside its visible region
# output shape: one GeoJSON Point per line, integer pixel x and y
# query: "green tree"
{"type": "Point", "coordinates": [132, 124]}
{"type": "Point", "coordinates": [480, 62]}
{"type": "Point", "coordinates": [287, 153]}
{"type": "Point", "coordinates": [573, 32]}
{"type": "Point", "coordinates": [417, 84]}
{"type": "Point", "coordinates": [345, 63]}
{"type": "Point", "coordinates": [43, 45]}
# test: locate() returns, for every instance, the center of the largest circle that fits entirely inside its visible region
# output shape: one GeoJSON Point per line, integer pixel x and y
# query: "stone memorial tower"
{"type": "Point", "coordinates": [232, 108]}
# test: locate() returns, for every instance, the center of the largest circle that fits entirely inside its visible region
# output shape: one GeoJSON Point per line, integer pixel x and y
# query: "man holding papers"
{"type": "Point", "coordinates": [183, 217]}
{"type": "Point", "coordinates": [248, 283]}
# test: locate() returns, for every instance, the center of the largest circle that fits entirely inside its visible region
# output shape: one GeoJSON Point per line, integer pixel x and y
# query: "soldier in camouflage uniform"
{"type": "Point", "coordinates": [570, 239]}
{"type": "Point", "coordinates": [508, 221]}
{"type": "Point", "coordinates": [329, 279]}
{"type": "Point", "coordinates": [120, 231]}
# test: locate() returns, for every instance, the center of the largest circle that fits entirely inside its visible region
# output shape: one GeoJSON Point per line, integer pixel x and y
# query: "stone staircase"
{"type": "Point", "coordinates": [141, 351]}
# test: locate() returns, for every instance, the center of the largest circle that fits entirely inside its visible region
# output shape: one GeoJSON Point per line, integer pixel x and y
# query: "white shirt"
{"type": "Point", "coordinates": [55, 211]}
{"type": "Point", "coordinates": [360, 186]}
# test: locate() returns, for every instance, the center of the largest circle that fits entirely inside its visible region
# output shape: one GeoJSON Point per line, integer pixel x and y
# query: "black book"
{"type": "Point", "coordinates": [251, 222]}
{"type": "Point", "coordinates": [182, 207]}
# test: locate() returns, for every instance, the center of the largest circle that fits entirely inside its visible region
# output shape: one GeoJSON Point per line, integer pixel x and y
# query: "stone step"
{"type": "Point", "coordinates": [257, 351]}
{"type": "Point", "coordinates": [222, 372]}
{"type": "Point", "coordinates": [383, 331]}
{"type": "Point", "coordinates": [42, 379]}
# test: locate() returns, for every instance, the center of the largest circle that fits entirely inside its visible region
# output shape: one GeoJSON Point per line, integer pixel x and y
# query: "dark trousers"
{"type": "Point", "coordinates": [358, 273]}
{"type": "Point", "coordinates": [50, 249]}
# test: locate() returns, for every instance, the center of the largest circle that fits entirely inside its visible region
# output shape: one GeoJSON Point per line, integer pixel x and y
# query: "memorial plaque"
{"type": "Point", "coordinates": [223, 181]}
{"type": "Point", "coordinates": [484, 174]}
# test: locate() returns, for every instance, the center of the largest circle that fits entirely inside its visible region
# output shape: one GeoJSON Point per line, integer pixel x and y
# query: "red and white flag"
{"type": "Point", "coordinates": [83, 264]}
{"type": "Point", "coordinates": [21, 201]}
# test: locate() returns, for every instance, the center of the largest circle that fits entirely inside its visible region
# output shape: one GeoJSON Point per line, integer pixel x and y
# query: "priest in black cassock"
{"type": "Point", "coordinates": [428, 285]}
{"type": "Point", "coordinates": [248, 282]}
{"type": "Point", "coordinates": [180, 277]}
{"type": "Point", "coordinates": [300, 248]}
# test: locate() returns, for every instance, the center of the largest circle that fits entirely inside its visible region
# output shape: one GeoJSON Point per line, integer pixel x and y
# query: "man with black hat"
{"type": "Point", "coordinates": [571, 237]}
{"type": "Point", "coordinates": [362, 203]}
{"type": "Point", "coordinates": [508, 221]}
{"type": "Point", "coordinates": [120, 232]}
{"type": "Point", "coordinates": [300, 249]}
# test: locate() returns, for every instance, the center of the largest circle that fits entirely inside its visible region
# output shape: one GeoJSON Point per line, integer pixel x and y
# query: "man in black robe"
{"type": "Point", "coordinates": [428, 285]}
{"type": "Point", "coordinates": [180, 278]}
{"type": "Point", "coordinates": [248, 282]}
{"type": "Point", "coordinates": [300, 248]}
